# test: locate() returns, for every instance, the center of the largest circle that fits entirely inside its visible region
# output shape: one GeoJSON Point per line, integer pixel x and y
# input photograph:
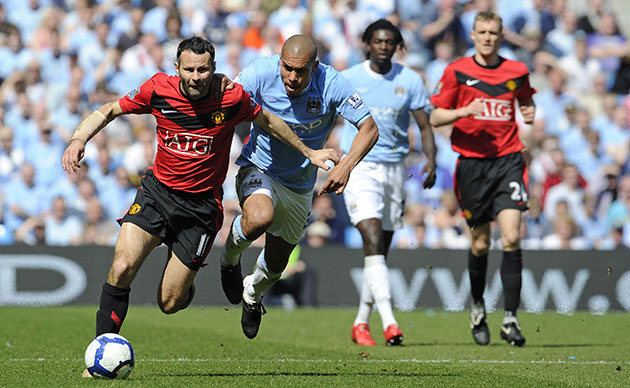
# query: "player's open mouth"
{"type": "Point", "coordinates": [290, 89]}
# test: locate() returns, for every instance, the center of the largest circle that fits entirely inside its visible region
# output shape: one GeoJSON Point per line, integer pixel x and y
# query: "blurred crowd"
{"type": "Point", "coordinates": [61, 59]}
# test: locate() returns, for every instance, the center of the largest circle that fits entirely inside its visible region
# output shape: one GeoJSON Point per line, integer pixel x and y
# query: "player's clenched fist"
{"type": "Point", "coordinates": [528, 112]}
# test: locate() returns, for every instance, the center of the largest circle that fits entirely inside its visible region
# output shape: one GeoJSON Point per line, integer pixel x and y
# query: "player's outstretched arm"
{"type": "Point", "coordinates": [428, 146]}
{"type": "Point", "coordinates": [86, 130]}
{"type": "Point", "coordinates": [441, 116]}
{"type": "Point", "coordinates": [528, 110]}
{"type": "Point", "coordinates": [361, 145]}
{"type": "Point", "coordinates": [279, 129]}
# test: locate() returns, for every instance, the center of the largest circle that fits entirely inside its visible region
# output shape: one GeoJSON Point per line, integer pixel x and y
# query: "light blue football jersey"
{"type": "Point", "coordinates": [311, 115]}
{"type": "Point", "coordinates": [390, 98]}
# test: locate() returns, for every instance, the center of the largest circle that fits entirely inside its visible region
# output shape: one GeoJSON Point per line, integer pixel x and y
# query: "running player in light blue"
{"type": "Point", "coordinates": [275, 182]}
{"type": "Point", "coordinates": [374, 195]}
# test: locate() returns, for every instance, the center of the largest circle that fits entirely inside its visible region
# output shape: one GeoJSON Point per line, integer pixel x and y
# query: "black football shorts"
{"type": "Point", "coordinates": [485, 186]}
{"type": "Point", "coordinates": [186, 222]}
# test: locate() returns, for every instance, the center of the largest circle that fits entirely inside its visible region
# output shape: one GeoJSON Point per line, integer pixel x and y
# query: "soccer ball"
{"type": "Point", "coordinates": [109, 356]}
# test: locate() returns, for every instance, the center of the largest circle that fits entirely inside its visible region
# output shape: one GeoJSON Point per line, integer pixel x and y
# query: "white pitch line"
{"type": "Point", "coordinates": [367, 360]}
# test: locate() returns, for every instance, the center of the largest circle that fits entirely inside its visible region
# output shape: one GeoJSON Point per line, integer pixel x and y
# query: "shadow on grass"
{"type": "Point", "coordinates": [504, 344]}
{"type": "Point", "coordinates": [307, 374]}
{"type": "Point", "coordinates": [531, 345]}
{"type": "Point", "coordinates": [465, 344]}
{"type": "Point", "coordinates": [565, 345]}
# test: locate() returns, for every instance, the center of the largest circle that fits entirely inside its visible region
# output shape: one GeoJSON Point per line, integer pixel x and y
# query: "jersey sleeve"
{"type": "Point", "coordinates": [139, 100]}
{"type": "Point", "coordinates": [248, 79]}
{"type": "Point", "coordinates": [419, 96]}
{"type": "Point", "coordinates": [446, 91]}
{"type": "Point", "coordinates": [249, 108]}
{"type": "Point", "coordinates": [526, 91]}
{"type": "Point", "coordinates": [348, 102]}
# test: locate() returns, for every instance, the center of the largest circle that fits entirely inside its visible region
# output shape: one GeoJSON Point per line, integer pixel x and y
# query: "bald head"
{"type": "Point", "coordinates": [300, 45]}
{"type": "Point", "coordinates": [298, 62]}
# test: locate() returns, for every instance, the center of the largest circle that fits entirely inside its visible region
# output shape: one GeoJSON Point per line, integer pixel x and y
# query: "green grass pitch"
{"type": "Point", "coordinates": [204, 347]}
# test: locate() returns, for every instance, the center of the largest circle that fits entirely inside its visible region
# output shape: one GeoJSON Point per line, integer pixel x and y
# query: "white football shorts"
{"type": "Point", "coordinates": [291, 210]}
{"type": "Point", "coordinates": [375, 190]}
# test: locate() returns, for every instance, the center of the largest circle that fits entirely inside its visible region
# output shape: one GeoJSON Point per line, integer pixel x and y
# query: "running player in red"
{"type": "Point", "coordinates": [179, 201]}
{"type": "Point", "coordinates": [477, 95]}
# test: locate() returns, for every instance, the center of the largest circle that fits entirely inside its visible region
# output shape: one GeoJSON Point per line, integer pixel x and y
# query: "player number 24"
{"type": "Point", "coordinates": [518, 192]}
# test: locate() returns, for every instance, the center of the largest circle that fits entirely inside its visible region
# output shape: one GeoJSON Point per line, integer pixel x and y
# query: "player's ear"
{"type": "Point", "coordinates": [315, 66]}
{"type": "Point", "coordinates": [176, 63]}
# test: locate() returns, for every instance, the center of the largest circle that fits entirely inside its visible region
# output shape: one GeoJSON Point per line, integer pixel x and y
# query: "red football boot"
{"type": "Point", "coordinates": [361, 335]}
{"type": "Point", "coordinates": [393, 335]}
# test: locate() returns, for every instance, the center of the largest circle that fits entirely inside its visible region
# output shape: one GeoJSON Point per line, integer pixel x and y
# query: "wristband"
{"type": "Point", "coordinates": [90, 126]}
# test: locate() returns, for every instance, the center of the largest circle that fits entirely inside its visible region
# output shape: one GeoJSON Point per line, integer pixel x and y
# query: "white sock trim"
{"type": "Point", "coordinates": [373, 260]}
{"type": "Point", "coordinates": [262, 278]}
{"type": "Point", "coordinates": [510, 319]}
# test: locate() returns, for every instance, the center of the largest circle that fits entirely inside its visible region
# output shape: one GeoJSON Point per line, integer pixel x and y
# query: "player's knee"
{"type": "Point", "coordinates": [121, 273]}
{"type": "Point", "coordinates": [479, 247]}
{"type": "Point", "coordinates": [257, 223]}
{"type": "Point", "coordinates": [510, 240]}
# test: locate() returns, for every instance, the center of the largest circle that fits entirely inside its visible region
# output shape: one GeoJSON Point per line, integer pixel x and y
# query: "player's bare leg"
{"type": "Point", "coordinates": [375, 286]}
{"type": "Point", "coordinates": [477, 267]}
{"type": "Point", "coordinates": [177, 287]}
{"type": "Point", "coordinates": [256, 218]}
{"type": "Point", "coordinates": [511, 268]}
{"type": "Point", "coordinates": [132, 248]}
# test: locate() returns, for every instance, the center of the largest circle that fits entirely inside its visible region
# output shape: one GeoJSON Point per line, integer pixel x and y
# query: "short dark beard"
{"type": "Point", "coordinates": [184, 92]}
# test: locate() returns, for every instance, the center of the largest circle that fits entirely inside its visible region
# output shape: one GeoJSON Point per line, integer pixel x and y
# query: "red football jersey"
{"type": "Point", "coordinates": [493, 133]}
{"type": "Point", "coordinates": [194, 136]}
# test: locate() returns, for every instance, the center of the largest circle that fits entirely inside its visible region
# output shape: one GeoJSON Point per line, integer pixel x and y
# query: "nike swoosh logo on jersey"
{"type": "Point", "coordinates": [270, 99]}
{"type": "Point", "coordinates": [492, 90]}
{"type": "Point", "coordinates": [167, 111]}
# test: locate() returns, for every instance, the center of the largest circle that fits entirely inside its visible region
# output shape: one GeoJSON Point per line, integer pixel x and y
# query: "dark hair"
{"type": "Point", "coordinates": [197, 45]}
{"type": "Point", "coordinates": [382, 24]}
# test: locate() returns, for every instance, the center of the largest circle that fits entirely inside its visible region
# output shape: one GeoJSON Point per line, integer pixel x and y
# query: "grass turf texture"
{"type": "Point", "coordinates": [203, 347]}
